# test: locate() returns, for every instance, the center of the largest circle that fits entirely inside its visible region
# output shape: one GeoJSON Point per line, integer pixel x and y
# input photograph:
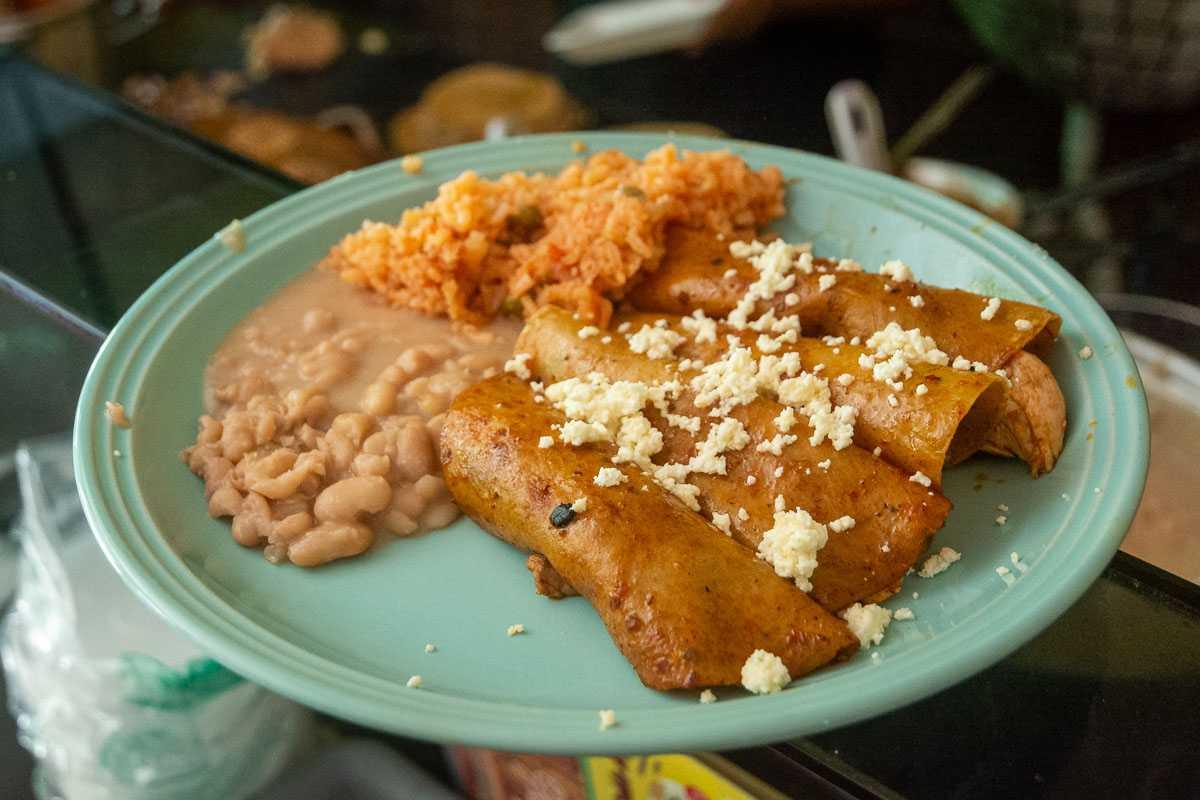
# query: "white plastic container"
{"type": "Point", "coordinates": [113, 703]}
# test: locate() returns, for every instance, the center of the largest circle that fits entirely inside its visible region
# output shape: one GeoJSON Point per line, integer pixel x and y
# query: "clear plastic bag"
{"type": "Point", "coordinates": [112, 701]}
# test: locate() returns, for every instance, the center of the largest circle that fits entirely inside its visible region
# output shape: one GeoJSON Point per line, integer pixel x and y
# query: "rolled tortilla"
{"type": "Point", "coordinates": [920, 433]}
{"type": "Point", "coordinates": [684, 603]}
{"type": "Point", "coordinates": [695, 274]}
{"type": "Point", "coordinates": [894, 517]}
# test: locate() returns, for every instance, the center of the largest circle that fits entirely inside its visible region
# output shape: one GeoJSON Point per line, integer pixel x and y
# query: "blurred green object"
{"type": "Point", "coordinates": [1116, 53]}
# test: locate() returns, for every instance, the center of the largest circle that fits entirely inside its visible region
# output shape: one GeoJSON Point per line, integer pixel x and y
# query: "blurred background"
{"type": "Point", "coordinates": [131, 129]}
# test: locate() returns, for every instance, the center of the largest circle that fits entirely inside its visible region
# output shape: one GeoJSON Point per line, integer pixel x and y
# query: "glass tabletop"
{"type": "Point", "coordinates": [97, 199]}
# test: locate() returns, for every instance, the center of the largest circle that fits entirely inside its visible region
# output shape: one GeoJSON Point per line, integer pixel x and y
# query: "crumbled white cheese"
{"type": "Point", "coordinates": [576, 432]}
{"type": "Point", "coordinates": [826, 282]}
{"type": "Point", "coordinates": [776, 443]}
{"type": "Point", "coordinates": [791, 299]}
{"type": "Point", "coordinates": [845, 379]}
{"type": "Point", "coordinates": [598, 402]}
{"type": "Point", "coordinates": [848, 265]}
{"type": "Point", "coordinates": [841, 524]}
{"type": "Point", "coordinates": [233, 236]}
{"type": "Point", "coordinates": [430, 648]}
{"type": "Point", "coordinates": [701, 327]}
{"type": "Point", "coordinates": [786, 419]}
{"type": "Point", "coordinates": [897, 270]}
{"type": "Point", "coordinates": [1002, 507]}
{"type": "Point", "coordinates": [545, 442]}
{"type": "Point", "coordinates": [654, 342]}
{"type": "Point", "coordinates": [637, 442]}
{"type": "Point", "coordinates": [877, 451]}
{"type": "Point", "coordinates": [606, 340]}
{"type": "Point", "coordinates": [1017, 562]}
{"type": "Point", "coordinates": [767, 344]}
{"type": "Point", "coordinates": [921, 478]}
{"type": "Point", "coordinates": [728, 434]}
{"type": "Point", "coordinates": [751, 480]}
{"type": "Point", "coordinates": [810, 395]}
{"type": "Point", "coordinates": [921, 389]}
{"type": "Point", "coordinates": [916, 301]}
{"type": "Point", "coordinates": [961, 363]}
{"type": "Point", "coordinates": [608, 718]}
{"type": "Point", "coordinates": [778, 473]}
{"type": "Point", "coordinates": [1085, 352]}
{"type": "Point", "coordinates": [624, 326]}
{"type": "Point", "coordinates": [824, 464]}
{"type": "Point", "coordinates": [517, 365]}
{"type": "Point", "coordinates": [730, 273]}
{"type": "Point", "coordinates": [673, 478]}
{"type": "Point", "coordinates": [867, 622]}
{"type": "Point", "coordinates": [729, 382]}
{"type": "Point", "coordinates": [580, 505]}
{"type": "Point", "coordinates": [894, 368]}
{"type": "Point", "coordinates": [791, 546]}
{"type": "Point", "coordinates": [1001, 520]}
{"type": "Point", "coordinates": [990, 308]}
{"type": "Point", "coordinates": [722, 522]}
{"type": "Point", "coordinates": [414, 682]}
{"type": "Point", "coordinates": [684, 422]}
{"type": "Point", "coordinates": [892, 401]}
{"type": "Point", "coordinates": [914, 346]}
{"type": "Point", "coordinates": [707, 697]}
{"type": "Point", "coordinates": [1022, 324]}
{"type": "Point", "coordinates": [743, 514]}
{"type": "Point", "coordinates": [588, 331]}
{"type": "Point", "coordinates": [764, 673]}
{"type": "Point", "coordinates": [856, 341]}
{"type": "Point", "coordinates": [903, 614]}
{"type": "Point", "coordinates": [514, 630]}
{"type": "Point", "coordinates": [939, 562]}
{"type": "Point", "coordinates": [775, 263]}
{"type": "Point", "coordinates": [609, 476]}
{"type": "Point", "coordinates": [779, 502]}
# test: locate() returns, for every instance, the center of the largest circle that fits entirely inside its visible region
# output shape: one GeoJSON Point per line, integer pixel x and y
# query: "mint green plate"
{"type": "Point", "coordinates": [346, 637]}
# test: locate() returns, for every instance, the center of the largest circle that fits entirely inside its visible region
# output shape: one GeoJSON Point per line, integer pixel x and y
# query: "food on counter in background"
{"type": "Point", "coordinates": [681, 127]}
{"type": "Point", "coordinates": [1164, 530]}
{"type": "Point", "coordinates": [293, 39]}
{"type": "Point", "coordinates": [576, 239]}
{"type": "Point", "coordinates": [983, 191]}
{"type": "Point", "coordinates": [838, 297]}
{"type": "Point", "coordinates": [679, 628]}
{"type": "Point", "coordinates": [460, 105]}
{"type": "Point", "coordinates": [308, 150]}
{"type": "Point", "coordinates": [373, 41]}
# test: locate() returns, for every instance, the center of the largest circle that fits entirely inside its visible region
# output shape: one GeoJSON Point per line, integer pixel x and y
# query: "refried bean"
{"type": "Point", "coordinates": [324, 410]}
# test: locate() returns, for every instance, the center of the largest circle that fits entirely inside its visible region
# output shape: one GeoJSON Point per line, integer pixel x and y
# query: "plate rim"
{"type": "Point", "coordinates": [104, 484]}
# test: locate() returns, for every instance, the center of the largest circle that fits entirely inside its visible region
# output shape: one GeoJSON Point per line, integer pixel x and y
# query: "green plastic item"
{"type": "Point", "coordinates": [344, 638]}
